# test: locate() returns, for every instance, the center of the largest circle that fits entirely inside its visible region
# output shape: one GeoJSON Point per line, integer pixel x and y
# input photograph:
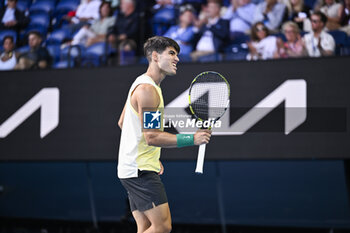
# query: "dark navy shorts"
{"type": "Point", "coordinates": [145, 191]}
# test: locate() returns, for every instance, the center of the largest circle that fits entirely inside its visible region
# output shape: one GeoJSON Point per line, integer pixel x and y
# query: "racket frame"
{"type": "Point", "coordinates": [201, 151]}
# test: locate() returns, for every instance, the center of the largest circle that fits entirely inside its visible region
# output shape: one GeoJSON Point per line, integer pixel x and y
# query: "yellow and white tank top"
{"type": "Point", "coordinates": [134, 153]}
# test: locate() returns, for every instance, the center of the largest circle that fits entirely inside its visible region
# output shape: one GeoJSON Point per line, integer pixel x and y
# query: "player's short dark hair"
{"type": "Point", "coordinates": [322, 16]}
{"type": "Point", "coordinates": [159, 44]}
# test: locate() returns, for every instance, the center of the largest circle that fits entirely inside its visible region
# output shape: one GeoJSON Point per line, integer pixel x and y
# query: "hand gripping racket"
{"type": "Point", "coordinates": [209, 97]}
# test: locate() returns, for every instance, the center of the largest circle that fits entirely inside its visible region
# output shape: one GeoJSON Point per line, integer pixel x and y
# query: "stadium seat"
{"type": "Point", "coordinates": [162, 20]}
{"type": "Point", "coordinates": [341, 41]}
{"type": "Point", "coordinates": [310, 3]}
{"type": "Point", "coordinates": [54, 51]}
{"type": "Point", "coordinates": [4, 33]}
{"type": "Point", "coordinates": [22, 49]}
{"type": "Point", "coordinates": [127, 57]}
{"type": "Point", "coordinates": [62, 8]}
{"type": "Point", "coordinates": [185, 58]}
{"type": "Point", "coordinates": [58, 36]}
{"type": "Point", "coordinates": [42, 6]}
{"type": "Point", "coordinates": [23, 5]}
{"type": "Point", "coordinates": [96, 54]}
{"type": "Point", "coordinates": [73, 55]}
{"type": "Point", "coordinates": [143, 60]}
{"type": "Point", "coordinates": [239, 37]}
{"type": "Point", "coordinates": [210, 58]}
{"type": "Point", "coordinates": [66, 6]}
{"type": "Point", "coordinates": [235, 52]}
{"type": "Point", "coordinates": [39, 19]}
{"type": "Point", "coordinates": [41, 29]}
{"type": "Point", "coordinates": [63, 65]}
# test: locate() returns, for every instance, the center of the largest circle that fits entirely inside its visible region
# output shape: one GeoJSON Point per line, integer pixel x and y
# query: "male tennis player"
{"type": "Point", "coordinates": [139, 166]}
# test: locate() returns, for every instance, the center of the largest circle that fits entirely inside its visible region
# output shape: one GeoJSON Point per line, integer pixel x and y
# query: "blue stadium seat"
{"type": "Point", "coordinates": [310, 3]}
{"type": "Point", "coordinates": [22, 49]}
{"type": "Point", "coordinates": [210, 58]}
{"type": "Point", "coordinates": [39, 19]}
{"type": "Point", "coordinates": [340, 37]}
{"type": "Point", "coordinates": [54, 51]}
{"type": "Point", "coordinates": [58, 36]}
{"type": "Point", "coordinates": [239, 37]}
{"type": "Point", "coordinates": [4, 33]}
{"type": "Point", "coordinates": [96, 54]}
{"type": "Point", "coordinates": [41, 29]}
{"type": "Point", "coordinates": [62, 8]}
{"type": "Point", "coordinates": [62, 65]}
{"type": "Point", "coordinates": [73, 55]}
{"type": "Point", "coordinates": [46, 6]}
{"type": "Point", "coordinates": [23, 5]}
{"type": "Point", "coordinates": [143, 60]}
{"type": "Point", "coordinates": [341, 41]}
{"type": "Point", "coordinates": [66, 6]}
{"type": "Point", "coordinates": [235, 52]}
{"type": "Point", "coordinates": [184, 58]}
{"type": "Point", "coordinates": [162, 20]}
{"type": "Point", "coordinates": [127, 57]}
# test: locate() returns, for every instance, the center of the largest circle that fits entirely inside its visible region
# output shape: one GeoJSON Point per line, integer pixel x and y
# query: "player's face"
{"type": "Point", "coordinates": [168, 60]}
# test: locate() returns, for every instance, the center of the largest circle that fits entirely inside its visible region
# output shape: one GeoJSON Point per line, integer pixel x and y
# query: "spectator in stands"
{"type": "Point", "coordinates": [126, 26]}
{"type": "Point", "coordinates": [211, 31]}
{"type": "Point", "coordinates": [299, 13]}
{"type": "Point", "coordinates": [97, 32]}
{"type": "Point", "coordinates": [8, 58]}
{"type": "Point", "coordinates": [262, 45]}
{"type": "Point", "coordinates": [240, 15]}
{"type": "Point", "coordinates": [294, 46]}
{"type": "Point", "coordinates": [345, 17]}
{"type": "Point", "coordinates": [183, 32]}
{"type": "Point", "coordinates": [86, 13]}
{"type": "Point", "coordinates": [332, 10]}
{"type": "Point", "coordinates": [271, 13]}
{"type": "Point", "coordinates": [37, 57]}
{"type": "Point", "coordinates": [12, 18]}
{"type": "Point", "coordinates": [318, 42]}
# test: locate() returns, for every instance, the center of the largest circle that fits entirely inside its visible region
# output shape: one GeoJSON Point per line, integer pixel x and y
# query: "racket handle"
{"type": "Point", "coordinates": [200, 158]}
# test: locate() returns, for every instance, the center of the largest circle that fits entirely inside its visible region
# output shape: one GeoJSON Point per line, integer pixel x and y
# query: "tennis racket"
{"type": "Point", "coordinates": [209, 97]}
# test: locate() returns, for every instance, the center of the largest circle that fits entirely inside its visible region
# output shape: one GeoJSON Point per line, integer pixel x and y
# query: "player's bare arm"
{"type": "Point", "coordinates": [145, 96]}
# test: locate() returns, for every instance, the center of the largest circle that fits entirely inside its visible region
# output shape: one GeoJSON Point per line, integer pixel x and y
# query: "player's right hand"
{"type": "Point", "coordinates": [202, 136]}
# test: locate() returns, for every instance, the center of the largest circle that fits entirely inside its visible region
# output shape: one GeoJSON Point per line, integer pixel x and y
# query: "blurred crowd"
{"type": "Point", "coordinates": [39, 34]}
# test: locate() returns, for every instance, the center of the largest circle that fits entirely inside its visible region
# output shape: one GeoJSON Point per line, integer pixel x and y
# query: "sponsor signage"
{"type": "Point", "coordinates": [284, 109]}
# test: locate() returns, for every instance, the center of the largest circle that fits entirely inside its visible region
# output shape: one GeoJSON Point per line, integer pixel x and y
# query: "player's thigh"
{"type": "Point", "coordinates": [141, 220]}
{"type": "Point", "coordinates": [159, 215]}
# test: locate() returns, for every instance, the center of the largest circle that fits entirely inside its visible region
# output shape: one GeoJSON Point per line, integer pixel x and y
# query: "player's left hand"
{"type": "Point", "coordinates": [161, 168]}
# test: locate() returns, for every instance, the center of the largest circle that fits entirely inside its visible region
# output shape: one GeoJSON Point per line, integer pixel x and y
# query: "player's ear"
{"type": "Point", "coordinates": [155, 56]}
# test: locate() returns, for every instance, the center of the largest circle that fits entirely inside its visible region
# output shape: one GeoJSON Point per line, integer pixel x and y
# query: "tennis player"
{"type": "Point", "coordinates": [139, 166]}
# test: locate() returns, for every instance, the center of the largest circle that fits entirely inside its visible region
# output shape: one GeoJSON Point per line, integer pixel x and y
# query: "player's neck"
{"type": "Point", "coordinates": [155, 74]}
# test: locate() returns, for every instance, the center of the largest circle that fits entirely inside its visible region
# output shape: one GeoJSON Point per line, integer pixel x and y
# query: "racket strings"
{"type": "Point", "coordinates": [209, 96]}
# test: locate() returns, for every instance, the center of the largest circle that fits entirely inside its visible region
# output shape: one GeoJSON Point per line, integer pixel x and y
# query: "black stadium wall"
{"type": "Point", "coordinates": [65, 115]}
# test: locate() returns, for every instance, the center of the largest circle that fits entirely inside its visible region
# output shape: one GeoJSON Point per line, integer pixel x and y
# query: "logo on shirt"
{"type": "Point", "coordinates": [151, 119]}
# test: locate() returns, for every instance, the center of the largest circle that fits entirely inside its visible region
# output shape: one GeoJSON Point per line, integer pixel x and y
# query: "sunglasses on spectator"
{"type": "Point", "coordinates": [315, 20]}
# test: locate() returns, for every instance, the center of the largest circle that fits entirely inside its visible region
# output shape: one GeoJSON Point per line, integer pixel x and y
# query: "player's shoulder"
{"type": "Point", "coordinates": [145, 90]}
